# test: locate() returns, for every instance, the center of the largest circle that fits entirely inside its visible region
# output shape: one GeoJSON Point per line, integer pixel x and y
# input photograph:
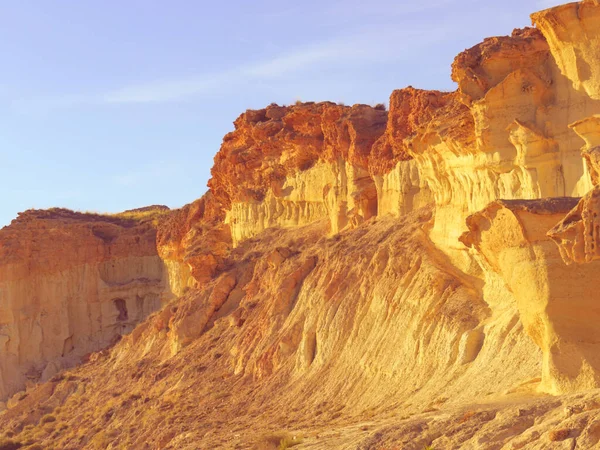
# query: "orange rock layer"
{"type": "Point", "coordinates": [363, 277]}
{"type": "Point", "coordinates": [70, 284]}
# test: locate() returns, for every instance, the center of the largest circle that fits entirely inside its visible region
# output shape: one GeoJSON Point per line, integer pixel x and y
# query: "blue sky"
{"type": "Point", "coordinates": [111, 105]}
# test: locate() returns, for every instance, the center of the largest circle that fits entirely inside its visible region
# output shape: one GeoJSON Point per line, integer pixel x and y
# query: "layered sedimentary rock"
{"type": "Point", "coordinates": [365, 271]}
{"type": "Point", "coordinates": [522, 145]}
{"type": "Point", "coordinates": [503, 134]}
{"type": "Point", "coordinates": [556, 301]}
{"type": "Point", "coordinates": [401, 190]}
{"type": "Point", "coordinates": [70, 284]}
{"type": "Point", "coordinates": [576, 234]}
{"type": "Point", "coordinates": [301, 329]}
{"type": "Point", "coordinates": [194, 243]}
{"type": "Point", "coordinates": [289, 166]}
{"type": "Point", "coordinates": [573, 33]}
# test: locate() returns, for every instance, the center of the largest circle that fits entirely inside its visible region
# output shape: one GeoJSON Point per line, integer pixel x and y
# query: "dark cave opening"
{"type": "Point", "coordinates": [122, 309]}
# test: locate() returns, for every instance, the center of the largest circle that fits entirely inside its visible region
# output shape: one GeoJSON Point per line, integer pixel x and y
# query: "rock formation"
{"type": "Point", "coordinates": [361, 277]}
{"type": "Point", "coordinates": [290, 166]}
{"type": "Point", "coordinates": [556, 302]}
{"type": "Point", "coordinates": [573, 34]}
{"type": "Point", "coordinates": [71, 284]}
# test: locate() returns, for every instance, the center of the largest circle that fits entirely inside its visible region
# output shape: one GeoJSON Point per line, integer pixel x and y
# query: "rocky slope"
{"type": "Point", "coordinates": [359, 277]}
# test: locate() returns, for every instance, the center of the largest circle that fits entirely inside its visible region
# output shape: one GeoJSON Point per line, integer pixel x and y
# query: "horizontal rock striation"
{"type": "Point", "coordinates": [503, 134]}
{"type": "Point", "coordinates": [70, 284]}
{"type": "Point", "coordinates": [290, 166]}
{"type": "Point", "coordinates": [430, 267]}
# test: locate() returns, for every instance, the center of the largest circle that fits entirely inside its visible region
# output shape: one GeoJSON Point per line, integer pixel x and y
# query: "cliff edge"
{"type": "Point", "coordinates": [355, 277]}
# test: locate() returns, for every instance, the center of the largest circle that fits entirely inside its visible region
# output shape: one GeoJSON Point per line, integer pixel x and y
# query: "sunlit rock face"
{"type": "Point", "coordinates": [503, 134]}
{"type": "Point", "coordinates": [350, 261]}
{"type": "Point", "coordinates": [573, 33]}
{"type": "Point", "coordinates": [290, 166]}
{"type": "Point", "coordinates": [519, 145]}
{"type": "Point", "coordinates": [401, 190]}
{"type": "Point", "coordinates": [589, 130]}
{"type": "Point", "coordinates": [339, 192]}
{"type": "Point", "coordinates": [577, 233]}
{"type": "Point", "coordinates": [71, 284]}
{"type": "Point", "coordinates": [194, 243]}
{"type": "Point", "coordinates": [539, 108]}
{"type": "Point", "coordinates": [512, 130]}
{"type": "Point", "coordinates": [556, 301]}
{"type": "Point", "coordinates": [376, 313]}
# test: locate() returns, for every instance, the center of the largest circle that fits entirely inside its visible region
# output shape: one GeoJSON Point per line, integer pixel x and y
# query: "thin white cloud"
{"type": "Point", "coordinates": [165, 91]}
{"type": "Point", "coordinates": [293, 62]}
{"type": "Point", "coordinates": [360, 47]}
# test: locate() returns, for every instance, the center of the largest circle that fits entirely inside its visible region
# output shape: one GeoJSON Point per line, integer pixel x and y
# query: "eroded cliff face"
{"type": "Point", "coordinates": [556, 301]}
{"type": "Point", "coordinates": [522, 145]}
{"type": "Point", "coordinates": [194, 243]}
{"type": "Point", "coordinates": [573, 33]}
{"type": "Point", "coordinates": [71, 284]}
{"type": "Point", "coordinates": [505, 133]}
{"type": "Point", "coordinates": [302, 329]}
{"type": "Point", "coordinates": [371, 272]}
{"type": "Point", "coordinates": [290, 166]}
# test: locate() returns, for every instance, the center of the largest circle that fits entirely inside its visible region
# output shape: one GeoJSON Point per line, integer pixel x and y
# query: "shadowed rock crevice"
{"type": "Point", "coordinates": [121, 308]}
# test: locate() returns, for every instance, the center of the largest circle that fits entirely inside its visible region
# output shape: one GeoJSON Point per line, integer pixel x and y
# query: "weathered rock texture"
{"type": "Point", "coordinates": [70, 284]}
{"type": "Point", "coordinates": [194, 243]}
{"type": "Point", "coordinates": [556, 302]}
{"type": "Point", "coordinates": [365, 278]}
{"type": "Point", "coordinates": [573, 33]}
{"type": "Point", "coordinates": [290, 166]}
{"type": "Point", "coordinates": [309, 321]}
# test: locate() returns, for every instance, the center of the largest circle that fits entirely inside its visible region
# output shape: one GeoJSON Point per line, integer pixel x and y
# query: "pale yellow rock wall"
{"type": "Point", "coordinates": [401, 190]}
{"type": "Point", "coordinates": [377, 314]}
{"type": "Point", "coordinates": [48, 321]}
{"type": "Point", "coordinates": [338, 191]}
{"type": "Point", "coordinates": [179, 277]}
{"type": "Point", "coordinates": [573, 32]}
{"type": "Point", "coordinates": [556, 301]}
{"type": "Point", "coordinates": [524, 149]}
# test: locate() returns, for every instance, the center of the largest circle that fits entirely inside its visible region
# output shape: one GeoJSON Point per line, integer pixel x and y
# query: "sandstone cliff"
{"type": "Point", "coordinates": [290, 166]}
{"type": "Point", "coordinates": [361, 277]}
{"type": "Point", "coordinates": [70, 284]}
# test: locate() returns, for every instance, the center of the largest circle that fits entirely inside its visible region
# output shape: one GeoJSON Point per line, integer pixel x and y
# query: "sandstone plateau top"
{"type": "Point", "coordinates": [418, 277]}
